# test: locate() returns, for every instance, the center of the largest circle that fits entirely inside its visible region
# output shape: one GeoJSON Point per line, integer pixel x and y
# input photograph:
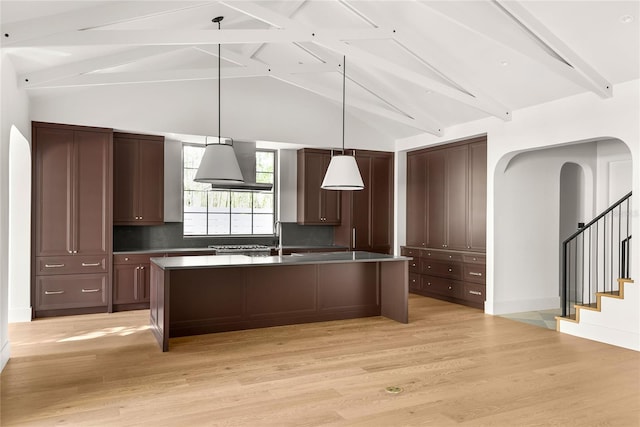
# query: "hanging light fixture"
{"type": "Point", "coordinates": [343, 173]}
{"type": "Point", "coordinates": [219, 164]}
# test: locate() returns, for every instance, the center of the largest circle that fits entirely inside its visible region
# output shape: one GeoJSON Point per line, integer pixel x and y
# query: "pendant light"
{"type": "Point", "coordinates": [219, 164]}
{"type": "Point", "coordinates": [343, 173]}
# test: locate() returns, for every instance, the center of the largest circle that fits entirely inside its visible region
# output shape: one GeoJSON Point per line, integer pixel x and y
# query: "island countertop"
{"type": "Point", "coordinates": [221, 261]}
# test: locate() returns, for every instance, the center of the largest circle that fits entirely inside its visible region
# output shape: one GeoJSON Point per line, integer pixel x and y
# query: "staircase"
{"type": "Point", "coordinates": [612, 319]}
{"type": "Point", "coordinates": [599, 300]}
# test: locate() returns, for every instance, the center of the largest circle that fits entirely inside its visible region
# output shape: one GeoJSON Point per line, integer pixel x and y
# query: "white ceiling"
{"type": "Point", "coordinates": [412, 66]}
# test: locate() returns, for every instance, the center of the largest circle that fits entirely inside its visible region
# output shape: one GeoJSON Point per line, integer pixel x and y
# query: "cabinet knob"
{"type": "Point", "coordinates": [450, 270]}
{"type": "Point", "coordinates": [428, 283]}
{"type": "Point", "coordinates": [428, 267]}
{"type": "Point", "coordinates": [126, 259]}
{"type": "Point", "coordinates": [450, 287]}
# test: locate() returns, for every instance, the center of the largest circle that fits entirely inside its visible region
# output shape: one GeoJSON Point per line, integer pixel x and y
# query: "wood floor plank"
{"type": "Point", "coordinates": [455, 365]}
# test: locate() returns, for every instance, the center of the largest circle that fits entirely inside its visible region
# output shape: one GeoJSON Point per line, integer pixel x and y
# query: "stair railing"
{"type": "Point", "coordinates": [594, 257]}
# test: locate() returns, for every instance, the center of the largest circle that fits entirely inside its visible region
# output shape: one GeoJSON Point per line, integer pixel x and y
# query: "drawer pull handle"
{"type": "Point", "coordinates": [450, 287]}
{"type": "Point", "coordinates": [475, 292]}
{"type": "Point", "coordinates": [91, 264]}
{"type": "Point", "coordinates": [54, 265]}
{"type": "Point", "coordinates": [88, 291]}
{"type": "Point", "coordinates": [473, 273]}
{"type": "Point", "coordinates": [450, 270]}
{"type": "Point", "coordinates": [53, 292]}
{"type": "Point", "coordinates": [429, 267]}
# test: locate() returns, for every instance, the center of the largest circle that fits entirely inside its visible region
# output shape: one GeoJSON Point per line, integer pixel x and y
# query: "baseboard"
{"type": "Point", "coordinates": [519, 306]}
{"type": "Point", "coordinates": [17, 315]}
{"type": "Point", "coordinates": [6, 352]}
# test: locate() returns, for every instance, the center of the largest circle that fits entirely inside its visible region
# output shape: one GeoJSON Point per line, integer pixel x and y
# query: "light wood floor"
{"type": "Point", "coordinates": [456, 366]}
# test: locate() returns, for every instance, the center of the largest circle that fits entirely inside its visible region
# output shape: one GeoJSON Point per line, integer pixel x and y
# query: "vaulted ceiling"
{"type": "Point", "coordinates": [411, 66]}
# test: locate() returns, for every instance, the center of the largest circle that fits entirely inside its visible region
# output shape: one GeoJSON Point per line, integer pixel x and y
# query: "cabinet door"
{"type": "Point", "coordinates": [315, 205]}
{"type": "Point", "coordinates": [477, 196]}
{"type": "Point", "coordinates": [144, 282]}
{"type": "Point", "coordinates": [330, 199]}
{"type": "Point", "coordinates": [416, 200]}
{"type": "Point", "coordinates": [436, 199]}
{"type": "Point", "coordinates": [92, 202]}
{"type": "Point", "coordinates": [456, 197]}
{"type": "Point", "coordinates": [361, 207]}
{"type": "Point", "coordinates": [52, 188]}
{"type": "Point", "coordinates": [381, 208]}
{"type": "Point", "coordinates": [125, 177]}
{"type": "Point", "coordinates": [151, 181]}
{"type": "Point", "coordinates": [125, 283]}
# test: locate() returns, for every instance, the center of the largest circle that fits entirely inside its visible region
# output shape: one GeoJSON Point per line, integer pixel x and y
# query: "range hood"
{"type": "Point", "coordinates": [246, 154]}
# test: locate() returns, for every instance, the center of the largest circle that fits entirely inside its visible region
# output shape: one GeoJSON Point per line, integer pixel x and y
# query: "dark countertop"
{"type": "Point", "coordinates": [221, 261]}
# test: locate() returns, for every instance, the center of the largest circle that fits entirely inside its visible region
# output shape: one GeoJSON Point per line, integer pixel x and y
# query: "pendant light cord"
{"type": "Point", "coordinates": [344, 80]}
{"type": "Point", "coordinates": [219, 94]}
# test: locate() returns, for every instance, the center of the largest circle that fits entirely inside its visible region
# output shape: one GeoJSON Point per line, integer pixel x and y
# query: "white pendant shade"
{"type": "Point", "coordinates": [343, 174]}
{"type": "Point", "coordinates": [219, 165]}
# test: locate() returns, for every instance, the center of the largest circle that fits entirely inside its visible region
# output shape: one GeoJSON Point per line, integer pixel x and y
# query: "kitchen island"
{"type": "Point", "coordinates": [204, 294]}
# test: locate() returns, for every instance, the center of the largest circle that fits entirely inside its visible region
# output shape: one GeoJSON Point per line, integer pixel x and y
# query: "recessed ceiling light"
{"type": "Point", "coordinates": [626, 19]}
{"type": "Point", "coordinates": [504, 63]}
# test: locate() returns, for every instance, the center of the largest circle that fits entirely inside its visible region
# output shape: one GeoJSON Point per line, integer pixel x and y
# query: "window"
{"type": "Point", "coordinates": [226, 212]}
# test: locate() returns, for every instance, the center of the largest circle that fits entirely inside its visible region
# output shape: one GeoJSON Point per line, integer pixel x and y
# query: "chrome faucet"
{"type": "Point", "coordinates": [277, 230]}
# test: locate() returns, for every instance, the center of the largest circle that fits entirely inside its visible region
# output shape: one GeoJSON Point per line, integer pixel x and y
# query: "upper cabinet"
{"type": "Point", "coordinates": [367, 215]}
{"type": "Point", "coordinates": [315, 205]}
{"type": "Point", "coordinates": [446, 196]}
{"type": "Point", "coordinates": [138, 191]}
{"type": "Point", "coordinates": [71, 190]}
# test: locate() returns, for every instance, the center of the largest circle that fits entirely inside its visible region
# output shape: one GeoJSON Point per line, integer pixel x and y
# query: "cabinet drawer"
{"type": "Point", "coordinates": [442, 286]}
{"type": "Point", "coordinates": [473, 292]}
{"type": "Point", "coordinates": [135, 258]}
{"type": "Point", "coordinates": [71, 265]}
{"type": "Point", "coordinates": [475, 273]}
{"type": "Point", "coordinates": [414, 266]}
{"type": "Point", "coordinates": [414, 282]}
{"type": "Point", "coordinates": [71, 291]}
{"type": "Point", "coordinates": [441, 255]}
{"type": "Point", "coordinates": [412, 252]}
{"type": "Point", "coordinates": [451, 270]}
{"type": "Point", "coordinates": [474, 259]}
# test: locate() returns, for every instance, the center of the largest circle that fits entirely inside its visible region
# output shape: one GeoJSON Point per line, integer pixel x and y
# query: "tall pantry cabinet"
{"type": "Point", "coordinates": [446, 221]}
{"type": "Point", "coordinates": [71, 219]}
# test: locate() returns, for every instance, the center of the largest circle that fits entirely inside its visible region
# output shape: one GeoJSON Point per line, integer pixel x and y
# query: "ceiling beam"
{"type": "Point", "coordinates": [579, 71]}
{"type": "Point", "coordinates": [375, 61]}
{"type": "Point", "coordinates": [44, 78]}
{"type": "Point", "coordinates": [336, 96]}
{"type": "Point", "coordinates": [154, 76]}
{"type": "Point", "coordinates": [192, 37]}
{"type": "Point", "coordinates": [86, 18]}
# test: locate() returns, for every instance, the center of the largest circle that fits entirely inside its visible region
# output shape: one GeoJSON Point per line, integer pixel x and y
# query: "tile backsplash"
{"type": "Point", "coordinates": [169, 235]}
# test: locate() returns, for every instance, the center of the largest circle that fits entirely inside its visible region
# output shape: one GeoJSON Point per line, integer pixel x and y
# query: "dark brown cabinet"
{"type": "Point", "coordinates": [446, 197]}
{"type": "Point", "coordinates": [71, 218]}
{"type": "Point", "coordinates": [138, 179]}
{"type": "Point", "coordinates": [315, 205]}
{"type": "Point", "coordinates": [367, 215]}
{"type": "Point", "coordinates": [448, 275]}
{"type": "Point", "coordinates": [131, 281]}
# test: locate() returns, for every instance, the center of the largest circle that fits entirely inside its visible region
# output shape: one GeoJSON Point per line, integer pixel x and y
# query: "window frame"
{"type": "Point", "coordinates": [230, 192]}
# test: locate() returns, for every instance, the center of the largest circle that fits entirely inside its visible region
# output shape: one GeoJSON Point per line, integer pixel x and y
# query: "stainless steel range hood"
{"type": "Point", "coordinates": [246, 155]}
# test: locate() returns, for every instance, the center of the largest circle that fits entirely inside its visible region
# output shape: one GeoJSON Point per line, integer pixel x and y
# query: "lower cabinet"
{"type": "Point", "coordinates": [131, 281]}
{"type": "Point", "coordinates": [71, 291]}
{"type": "Point", "coordinates": [453, 276]}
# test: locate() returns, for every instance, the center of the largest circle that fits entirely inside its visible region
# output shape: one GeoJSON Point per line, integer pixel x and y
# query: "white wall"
{"type": "Point", "coordinates": [580, 118]}
{"type": "Point", "coordinates": [527, 197]}
{"type": "Point", "coordinates": [615, 172]}
{"type": "Point", "coordinates": [14, 110]}
{"type": "Point", "coordinates": [19, 227]}
{"type": "Point", "coordinates": [252, 109]}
